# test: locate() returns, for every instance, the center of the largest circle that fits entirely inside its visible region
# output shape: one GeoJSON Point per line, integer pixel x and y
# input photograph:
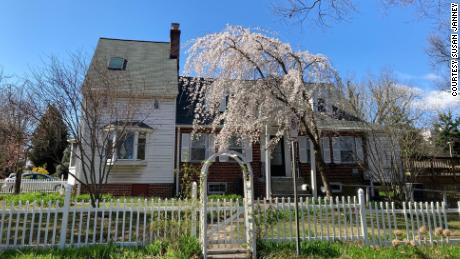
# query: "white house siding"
{"type": "Point", "coordinates": [152, 76]}
{"type": "Point", "coordinates": [160, 143]}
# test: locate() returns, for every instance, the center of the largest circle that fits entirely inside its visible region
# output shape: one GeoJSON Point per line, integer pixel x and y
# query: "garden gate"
{"type": "Point", "coordinates": [225, 216]}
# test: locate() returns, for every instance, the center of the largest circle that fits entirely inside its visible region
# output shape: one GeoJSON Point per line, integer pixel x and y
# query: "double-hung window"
{"type": "Point", "coordinates": [198, 148]}
{"type": "Point", "coordinates": [347, 149]}
{"type": "Point", "coordinates": [242, 147]}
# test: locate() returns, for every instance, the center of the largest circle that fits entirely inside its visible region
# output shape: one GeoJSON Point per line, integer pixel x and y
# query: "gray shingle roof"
{"type": "Point", "coordinates": [149, 71]}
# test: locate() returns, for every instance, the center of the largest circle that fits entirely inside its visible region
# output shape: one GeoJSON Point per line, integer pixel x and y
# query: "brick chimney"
{"type": "Point", "coordinates": [175, 41]}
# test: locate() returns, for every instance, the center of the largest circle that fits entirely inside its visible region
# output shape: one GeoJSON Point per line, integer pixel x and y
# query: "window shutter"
{"type": "Point", "coordinates": [359, 149]}
{"type": "Point", "coordinates": [210, 150]}
{"type": "Point", "coordinates": [336, 148]}
{"type": "Point", "coordinates": [303, 154]}
{"type": "Point", "coordinates": [185, 147]}
{"type": "Point", "coordinates": [247, 151]}
{"type": "Point", "coordinates": [326, 150]}
{"type": "Point", "coordinates": [223, 103]}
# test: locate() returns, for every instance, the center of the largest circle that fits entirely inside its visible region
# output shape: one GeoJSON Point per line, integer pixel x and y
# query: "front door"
{"type": "Point", "coordinates": [278, 167]}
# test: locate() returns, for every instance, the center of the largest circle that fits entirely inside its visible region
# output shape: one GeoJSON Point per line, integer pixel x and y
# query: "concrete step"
{"type": "Point", "coordinates": [230, 256]}
{"type": "Point", "coordinates": [231, 252]}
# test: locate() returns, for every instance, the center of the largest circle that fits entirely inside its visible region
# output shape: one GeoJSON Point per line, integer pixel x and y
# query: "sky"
{"type": "Point", "coordinates": [372, 39]}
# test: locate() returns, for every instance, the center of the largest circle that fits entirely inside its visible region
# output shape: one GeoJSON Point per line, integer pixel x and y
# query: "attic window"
{"type": "Point", "coordinates": [117, 63]}
{"type": "Point", "coordinates": [321, 105]}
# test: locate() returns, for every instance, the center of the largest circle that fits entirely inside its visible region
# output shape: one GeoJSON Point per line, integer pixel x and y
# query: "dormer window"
{"type": "Point", "coordinates": [321, 105]}
{"type": "Point", "coordinates": [117, 63]}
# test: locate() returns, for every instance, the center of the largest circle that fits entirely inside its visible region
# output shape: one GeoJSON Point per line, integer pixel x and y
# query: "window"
{"type": "Point", "coordinates": [109, 146]}
{"type": "Point", "coordinates": [217, 188]}
{"type": "Point", "coordinates": [198, 148]}
{"type": "Point", "coordinates": [321, 105]}
{"type": "Point", "coordinates": [117, 63]}
{"type": "Point", "coordinates": [130, 145]}
{"type": "Point", "coordinates": [347, 154]}
{"type": "Point", "coordinates": [347, 149]}
{"type": "Point", "coordinates": [235, 145]}
{"type": "Point", "coordinates": [141, 145]}
{"type": "Point", "coordinates": [336, 187]}
{"type": "Point", "coordinates": [126, 146]}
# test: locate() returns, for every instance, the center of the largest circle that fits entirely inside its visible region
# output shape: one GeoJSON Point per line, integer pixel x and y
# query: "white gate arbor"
{"type": "Point", "coordinates": [248, 200]}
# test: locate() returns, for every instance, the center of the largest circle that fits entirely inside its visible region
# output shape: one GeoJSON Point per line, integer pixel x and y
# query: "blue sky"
{"type": "Point", "coordinates": [373, 39]}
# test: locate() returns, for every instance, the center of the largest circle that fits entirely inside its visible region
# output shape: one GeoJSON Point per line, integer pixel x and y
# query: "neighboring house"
{"type": "Point", "coordinates": [144, 163]}
{"type": "Point", "coordinates": [343, 142]}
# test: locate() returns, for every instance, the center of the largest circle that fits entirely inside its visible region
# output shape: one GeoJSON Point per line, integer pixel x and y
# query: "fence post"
{"type": "Point", "coordinates": [65, 214]}
{"type": "Point", "coordinates": [194, 204]}
{"type": "Point", "coordinates": [362, 214]}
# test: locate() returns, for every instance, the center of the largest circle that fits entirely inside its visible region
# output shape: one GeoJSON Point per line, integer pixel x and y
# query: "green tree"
{"type": "Point", "coordinates": [49, 140]}
{"type": "Point", "coordinates": [447, 130]}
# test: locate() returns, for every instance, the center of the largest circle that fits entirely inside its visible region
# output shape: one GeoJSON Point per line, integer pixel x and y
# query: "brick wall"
{"type": "Point", "coordinates": [230, 172]}
{"type": "Point", "coordinates": [151, 190]}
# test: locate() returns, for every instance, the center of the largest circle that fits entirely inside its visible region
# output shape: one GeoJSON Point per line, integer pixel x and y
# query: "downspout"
{"type": "Point", "coordinates": [177, 167]}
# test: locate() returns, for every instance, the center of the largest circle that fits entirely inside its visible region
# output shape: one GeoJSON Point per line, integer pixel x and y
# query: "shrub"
{"type": "Point", "coordinates": [224, 196]}
{"type": "Point", "coordinates": [40, 170]}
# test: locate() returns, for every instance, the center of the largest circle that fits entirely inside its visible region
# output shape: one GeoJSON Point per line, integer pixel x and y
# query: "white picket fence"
{"type": "Point", "coordinates": [126, 222]}
{"type": "Point", "coordinates": [137, 222]}
{"type": "Point", "coordinates": [31, 185]}
{"type": "Point", "coordinates": [351, 219]}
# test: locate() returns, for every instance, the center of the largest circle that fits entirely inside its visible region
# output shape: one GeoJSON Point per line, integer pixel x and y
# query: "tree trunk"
{"type": "Point", "coordinates": [322, 168]}
{"type": "Point", "coordinates": [17, 182]}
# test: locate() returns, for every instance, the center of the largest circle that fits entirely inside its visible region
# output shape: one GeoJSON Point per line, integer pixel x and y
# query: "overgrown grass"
{"type": "Point", "coordinates": [322, 249]}
{"type": "Point", "coordinates": [185, 247]}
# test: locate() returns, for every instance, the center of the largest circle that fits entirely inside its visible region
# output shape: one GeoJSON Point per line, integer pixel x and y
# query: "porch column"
{"type": "Point", "coordinates": [314, 189]}
{"type": "Point", "coordinates": [268, 174]}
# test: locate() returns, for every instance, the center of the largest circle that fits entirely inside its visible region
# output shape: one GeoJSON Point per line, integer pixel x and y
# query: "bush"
{"type": "Point", "coordinates": [224, 196]}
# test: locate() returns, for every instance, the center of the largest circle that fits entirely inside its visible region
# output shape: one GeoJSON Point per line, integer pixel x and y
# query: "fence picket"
{"type": "Point", "coordinates": [138, 222]}
{"type": "Point", "coordinates": [428, 221]}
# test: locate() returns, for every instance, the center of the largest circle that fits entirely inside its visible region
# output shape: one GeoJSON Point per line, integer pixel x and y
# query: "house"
{"type": "Point", "coordinates": [159, 142]}
{"type": "Point", "coordinates": [343, 150]}
{"type": "Point", "coordinates": [144, 163]}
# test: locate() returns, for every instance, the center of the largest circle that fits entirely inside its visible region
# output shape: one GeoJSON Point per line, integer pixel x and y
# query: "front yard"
{"type": "Point", "coordinates": [189, 248]}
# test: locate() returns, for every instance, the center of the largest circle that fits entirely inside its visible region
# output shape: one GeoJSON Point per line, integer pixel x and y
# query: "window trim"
{"type": "Point", "coordinates": [115, 147]}
{"type": "Point", "coordinates": [217, 183]}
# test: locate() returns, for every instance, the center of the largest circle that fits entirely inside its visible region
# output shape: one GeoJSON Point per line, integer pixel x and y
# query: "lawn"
{"type": "Point", "coordinates": [184, 248]}
{"type": "Point", "coordinates": [321, 249]}
{"type": "Point", "coordinates": [187, 247]}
